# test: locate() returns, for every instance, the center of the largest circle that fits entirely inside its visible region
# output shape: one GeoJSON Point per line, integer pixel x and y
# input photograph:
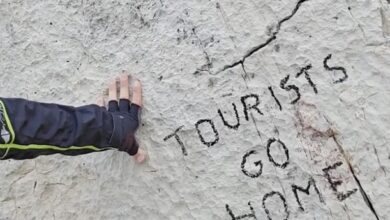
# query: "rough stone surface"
{"type": "Point", "coordinates": [194, 58]}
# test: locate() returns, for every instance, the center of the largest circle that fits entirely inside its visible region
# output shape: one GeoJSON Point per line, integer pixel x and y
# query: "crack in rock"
{"type": "Point", "coordinates": [366, 199]}
{"type": "Point", "coordinates": [267, 42]}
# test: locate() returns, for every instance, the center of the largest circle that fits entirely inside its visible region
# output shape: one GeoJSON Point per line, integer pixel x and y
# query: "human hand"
{"type": "Point", "coordinates": [126, 115]}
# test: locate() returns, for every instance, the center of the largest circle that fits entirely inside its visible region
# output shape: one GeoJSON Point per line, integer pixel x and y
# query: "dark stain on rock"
{"type": "Point", "coordinates": [211, 83]}
{"type": "Point", "coordinates": [277, 48]}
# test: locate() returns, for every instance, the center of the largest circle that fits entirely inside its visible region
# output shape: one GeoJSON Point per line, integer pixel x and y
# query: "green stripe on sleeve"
{"type": "Point", "coordinates": [52, 149]}
{"type": "Point", "coordinates": [8, 121]}
{"type": "Point", "coordinates": [49, 147]}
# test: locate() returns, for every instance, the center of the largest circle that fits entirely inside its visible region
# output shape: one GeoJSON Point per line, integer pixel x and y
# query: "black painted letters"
{"type": "Point", "coordinates": [271, 159]}
{"type": "Point", "coordinates": [174, 134]}
{"type": "Point", "coordinates": [235, 127]}
{"type": "Point", "coordinates": [311, 182]}
{"type": "Point", "coordinates": [283, 83]}
{"type": "Point", "coordinates": [248, 107]}
{"type": "Point", "coordinates": [305, 70]}
{"type": "Point", "coordinates": [276, 99]}
{"type": "Point", "coordinates": [342, 69]}
{"type": "Point", "coordinates": [271, 194]}
{"type": "Point", "coordinates": [216, 135]}
{"type": "Point", "coordinates": [257, 163]}
{"type": "Point", "coordinates": [250, 215]}
{"type": "Point", "coordinates": [334, 183]}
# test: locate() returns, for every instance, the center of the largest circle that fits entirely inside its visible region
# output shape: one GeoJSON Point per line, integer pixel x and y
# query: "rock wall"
{"type": "Point", "coordinates": [253, 109]}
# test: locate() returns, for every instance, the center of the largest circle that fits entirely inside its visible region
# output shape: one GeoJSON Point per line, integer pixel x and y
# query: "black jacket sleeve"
{"type": "Point", "coordinates": [36, 128]}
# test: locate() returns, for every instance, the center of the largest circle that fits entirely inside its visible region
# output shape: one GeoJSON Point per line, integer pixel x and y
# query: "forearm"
{"type": "Point", "coordinates": [53, 128]}
{"type": "Point", "coordinates": [59, 125]}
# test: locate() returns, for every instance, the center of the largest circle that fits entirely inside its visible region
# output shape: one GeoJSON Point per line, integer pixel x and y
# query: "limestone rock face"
{"type": "Point", "coordinates": [253, 109]}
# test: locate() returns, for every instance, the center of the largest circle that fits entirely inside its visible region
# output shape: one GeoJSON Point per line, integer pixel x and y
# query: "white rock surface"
{"type": "Point", "coordinates": [195, 57]}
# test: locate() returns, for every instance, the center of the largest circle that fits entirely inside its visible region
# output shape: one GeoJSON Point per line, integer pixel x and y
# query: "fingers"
{"type": "Point", "coordinates": [112, 97]}
{"type": "Point", "coordinates": [124, 87]}
{"type": "Point", "coordinates": [124, 95]}
{"type": "Point", "coordinates": [136, 99]}
{"type": "Point", "coordinates": [124, 102]}
{"type": "Point", "coordinates": [137, 93]}
{"type": "Point", "coordinates": [112, 91]}
{"type": "Point", "coordinates": [124, 105]}
{"type": "Point", "coordinates": [135, 112]}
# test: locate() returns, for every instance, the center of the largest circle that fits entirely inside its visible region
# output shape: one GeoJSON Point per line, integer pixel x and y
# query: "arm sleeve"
{"type": "Point", "coordinates": [30, 129]}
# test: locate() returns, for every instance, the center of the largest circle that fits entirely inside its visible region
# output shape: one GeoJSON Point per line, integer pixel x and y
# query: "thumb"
{"type": "Point", "coordinates": [140, 156]}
